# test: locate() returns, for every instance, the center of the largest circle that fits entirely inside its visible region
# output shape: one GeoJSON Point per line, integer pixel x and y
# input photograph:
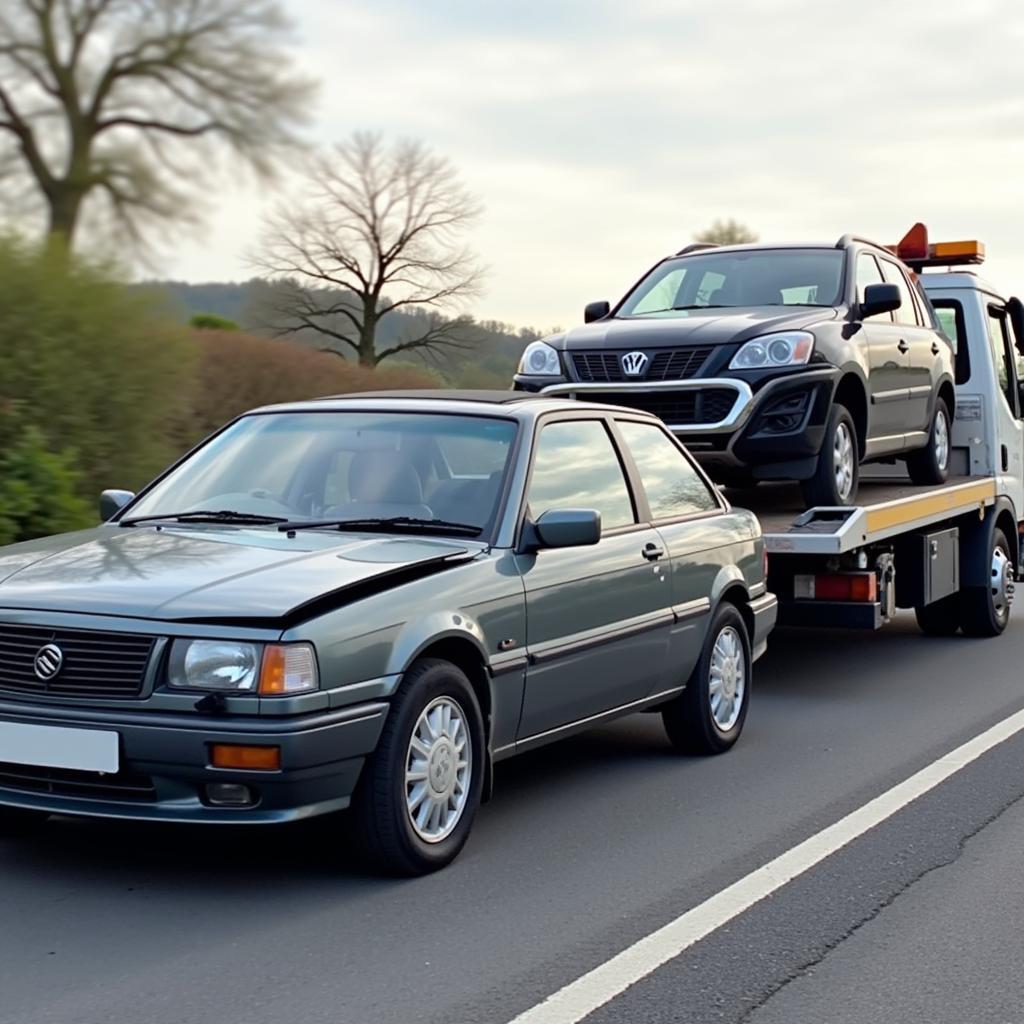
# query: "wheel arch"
{"type": "Point", "coordinates": [977, 538]}
{"type": "Point", "coordinates": [731, 588]}
{"type": "Point", "coordinates": [851, 393]}
{"type": "Point", "coordinates": [948, 394]}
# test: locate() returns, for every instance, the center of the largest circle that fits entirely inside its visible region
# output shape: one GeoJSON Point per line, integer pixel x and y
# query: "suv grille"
{"type": "Point", "coordinates": [678, 408]}
{"type": "Point", "coordinates": [95, 664]}
{"type": "Point", "coordinates": [678, 364]}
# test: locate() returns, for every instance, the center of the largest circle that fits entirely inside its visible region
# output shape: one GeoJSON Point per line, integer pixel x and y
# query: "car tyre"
{"type": "Point", "coordinates": [14, 821]}
{"type": "Point", "coordinates": [940, 618]}
{"type": "Point", "coordinates": [414, 806]}
{"type": "Point", "coordinates": [837, 472]}
{"type": "Point", "coordinates": [695, 723]}
{"type": "Point", "coordinates": [985, 611]}
{"type": "Point", "coordinates": [930, 464]}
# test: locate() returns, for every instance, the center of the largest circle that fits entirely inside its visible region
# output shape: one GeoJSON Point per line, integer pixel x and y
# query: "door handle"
{"type": "Point", "coordinates": [935, 348]}
{"type": "Point", "coordinates": [903, 346]}
{"type": "Point", "coordinates": [652, 552]}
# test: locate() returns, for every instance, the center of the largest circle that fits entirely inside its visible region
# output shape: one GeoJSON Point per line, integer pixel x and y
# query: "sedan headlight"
{"type": "Point", "coordinates": [227, 666]}
{"type": "Point", "coordinates": [788, 348]}
{"type": "Point", "coordinates": [541, 360]}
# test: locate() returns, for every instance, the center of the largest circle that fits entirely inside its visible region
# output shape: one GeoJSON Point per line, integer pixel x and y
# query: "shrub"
{"type": "Point", "coordinates": [212, 322]}
{"type": "Point", "coordinates": [90, 364]}
{"type": "Point", "coordinates": [236, 372]}
{"type": "Point", "coordinates": [38, 488]}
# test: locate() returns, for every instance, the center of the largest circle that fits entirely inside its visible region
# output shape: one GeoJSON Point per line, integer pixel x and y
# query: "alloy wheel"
{"type": "Point", "coordinates": [728, 678]}
{"type": "Point", "coordinates": [941, 440]}
{"type": "Point", "coordinates": [438, 770]}
{"type": "Point", "coordinates": [843, 461]}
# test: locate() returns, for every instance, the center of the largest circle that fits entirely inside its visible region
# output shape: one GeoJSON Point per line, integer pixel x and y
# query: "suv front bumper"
{"type": "Point", "coordinates": [165, 764]}
{"type": "Point", "coordinates": [775, 432]}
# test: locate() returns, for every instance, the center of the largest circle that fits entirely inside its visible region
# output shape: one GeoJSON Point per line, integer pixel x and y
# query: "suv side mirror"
{"type": "Point", "coordinates": [880, 298]}
{"type": "Point", "coordinates": [566, 528]}
{"type": "Point", "coordinates": [111, 502]}
{"type": "Point", "coordinates": [595, 311]}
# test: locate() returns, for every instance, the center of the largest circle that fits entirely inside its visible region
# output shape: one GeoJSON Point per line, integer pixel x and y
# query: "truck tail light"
{"type": "Point", "coordinates": [838, 586]}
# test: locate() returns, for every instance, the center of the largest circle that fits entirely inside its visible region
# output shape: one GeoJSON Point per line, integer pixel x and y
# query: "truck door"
{"type": "Point", "coordinates": [1009, 456]}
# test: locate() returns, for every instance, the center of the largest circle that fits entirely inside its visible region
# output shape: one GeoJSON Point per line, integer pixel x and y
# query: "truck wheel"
{"type": "Point", "coordinates": [838, 469]}
{"type": "Point", "coordinates": [421, 788]}
{"type": "Point", "coordinates": [940, 618]}
{"type": "Point", "coordinates": [985, 611]}
{"type": "Point", "coordinates": [17, 822]}
{"type": "Point", "coordinates": [708, 716]}
{"type": "Point", "coordinates": [930, 464]}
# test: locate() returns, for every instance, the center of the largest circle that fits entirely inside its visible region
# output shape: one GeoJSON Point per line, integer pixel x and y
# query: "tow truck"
{"type": "Point", "coordinates": [950, 552]}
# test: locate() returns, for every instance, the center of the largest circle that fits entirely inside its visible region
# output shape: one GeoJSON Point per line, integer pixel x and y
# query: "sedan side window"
{"type": "Point", "coordinates": [674, 488]}
{"type": "Point", "coordinates": [576, 466]}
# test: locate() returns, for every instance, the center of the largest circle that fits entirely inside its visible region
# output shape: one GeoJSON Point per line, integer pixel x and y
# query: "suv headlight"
{"type": "Point", "coordinates": [541, 360]}
{"type": "Point", "coordinates": [227, 666]}
{"type": "Point", "coordinates": [788, 348]}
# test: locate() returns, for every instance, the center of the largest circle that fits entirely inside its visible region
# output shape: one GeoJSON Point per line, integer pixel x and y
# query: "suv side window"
{"type": "Point", "coordinates": [1003, 355]}
{"type": "Point", "coordinates": [575, 465]}
{"type": "Point", "coordinates": [868, 273]}
{"type": "Point", "coordinates": [907, 313]}
{"type": "Point", "coordinates": [674, 488]}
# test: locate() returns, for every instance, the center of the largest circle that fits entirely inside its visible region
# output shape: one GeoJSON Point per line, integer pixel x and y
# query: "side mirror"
{"type": "Point", "coordinates": [880, 298]}
{"type": "Point", "coordinates": [1016, 310]}
{"type": "Point", "coordinates": [595, 311]}
{"type": "Point", "coordinates": [568, 528]}
{"type": "Point", "coordinates": [111, 502]}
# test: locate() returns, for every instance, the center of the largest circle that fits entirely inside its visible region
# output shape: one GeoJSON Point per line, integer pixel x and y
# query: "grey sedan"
{"type": "Point", "coordinates": [366, 602]}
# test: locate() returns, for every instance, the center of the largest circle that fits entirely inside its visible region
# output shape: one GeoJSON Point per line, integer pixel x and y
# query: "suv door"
{"type": "Point", "coordinates": [887, 365]}
{"type": "Point", "coordinates": [599, 617]}
{"type": "Point", "coordinates": [922, 352]}
{"type": "Point", "coordinates": [689, 515]}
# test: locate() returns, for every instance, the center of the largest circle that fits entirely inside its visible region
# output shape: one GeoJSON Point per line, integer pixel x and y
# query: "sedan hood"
{"type": "Point", "coordinates": [694, 327]}
{"type": "Point", "coordinates": [199, 574]}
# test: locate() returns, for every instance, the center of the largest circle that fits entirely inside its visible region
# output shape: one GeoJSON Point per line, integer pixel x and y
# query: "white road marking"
{"type": "Point", "coordinates": [595, 988]}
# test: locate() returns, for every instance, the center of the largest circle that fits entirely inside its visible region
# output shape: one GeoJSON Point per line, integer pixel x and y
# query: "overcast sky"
{"type": "Point", "coordinates": [602, 135]}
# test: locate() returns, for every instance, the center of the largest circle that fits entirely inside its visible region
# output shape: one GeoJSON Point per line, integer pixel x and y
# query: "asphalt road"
{"type": "Point", "coordinates": [587, 846]}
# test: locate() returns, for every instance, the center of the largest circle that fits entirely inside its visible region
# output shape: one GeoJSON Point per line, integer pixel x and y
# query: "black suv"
{"type": "Point", "coordinates": [771, 362]}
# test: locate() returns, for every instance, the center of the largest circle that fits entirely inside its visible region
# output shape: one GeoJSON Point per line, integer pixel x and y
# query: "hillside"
{"type": "Point", "coordinates": [489, 363]}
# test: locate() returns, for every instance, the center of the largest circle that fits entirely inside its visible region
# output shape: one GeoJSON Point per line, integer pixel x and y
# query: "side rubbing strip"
{"type": "Point", "coordinates": [691, 609]}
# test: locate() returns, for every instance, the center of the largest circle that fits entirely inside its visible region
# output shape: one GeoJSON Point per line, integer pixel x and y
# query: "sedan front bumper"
{"type": "Point", "coordinates": [165, 764]}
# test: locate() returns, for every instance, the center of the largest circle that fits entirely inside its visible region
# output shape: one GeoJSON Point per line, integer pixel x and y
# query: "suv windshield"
{"type": "Point", "coordinates": [336, 466]}
{"type": "Point", "coordinates": [749, 277]}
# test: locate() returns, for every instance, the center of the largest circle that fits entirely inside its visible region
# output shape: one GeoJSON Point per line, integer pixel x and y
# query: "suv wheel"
{"type": "Point", "coordinates": [930, 464]}
{"type": "Point", "coordinates": [421, 788]}
{"type": "Point", "coordinates": [708, 716]}
{"type": "Point", "coordinates": [838, 470]}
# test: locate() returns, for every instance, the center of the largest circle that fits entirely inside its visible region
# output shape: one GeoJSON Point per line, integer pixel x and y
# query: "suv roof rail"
{"type": "Point", "coordinates": [847, 240]}
{"type": "Point", "coordinates": [696, 247]}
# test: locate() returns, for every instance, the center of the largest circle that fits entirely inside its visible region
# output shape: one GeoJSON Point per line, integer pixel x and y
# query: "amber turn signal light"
{"type": "Point", "coordinates": [252, 759]}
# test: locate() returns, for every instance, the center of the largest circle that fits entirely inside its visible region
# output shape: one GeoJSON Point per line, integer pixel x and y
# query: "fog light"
{"type": "Point", "coordinates": [229, 794]}
{"type": "Point", "coordinates": [260, 759]}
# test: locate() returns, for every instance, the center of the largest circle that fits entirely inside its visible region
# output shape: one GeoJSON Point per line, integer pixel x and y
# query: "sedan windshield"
{"type": "Point", "coordinates": [748, 277]}
{"type": "Point", "coordinates": [410, 472]}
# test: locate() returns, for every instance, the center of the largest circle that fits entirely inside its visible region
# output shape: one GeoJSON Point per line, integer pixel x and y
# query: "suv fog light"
{"type": "Point", "coordinates": [229, 794]}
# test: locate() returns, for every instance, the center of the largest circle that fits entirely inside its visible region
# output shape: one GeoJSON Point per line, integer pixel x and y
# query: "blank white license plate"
{"type": "Point", "coordinates": [51, 746]}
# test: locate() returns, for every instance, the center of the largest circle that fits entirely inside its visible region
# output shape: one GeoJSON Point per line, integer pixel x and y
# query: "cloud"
{"type": "Point", "coordinates": [602, 135]}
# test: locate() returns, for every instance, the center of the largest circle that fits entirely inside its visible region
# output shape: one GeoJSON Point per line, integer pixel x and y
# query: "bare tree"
{"type": "Point", "coordinates": [122, 100]}
{"type": "Point", "coordinates": [726, 232]}
{"type": "Point", "coordinates": [380, 230]}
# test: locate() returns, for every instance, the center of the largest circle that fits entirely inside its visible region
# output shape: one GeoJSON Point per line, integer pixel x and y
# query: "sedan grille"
{"type": "Point", "coordinates": [692, 406]}
{"type": "Point", "coordinates": [91, 664]}
{"type": "Point", "coordinates": [60, 782]}
{"type": "Point", "coordinates": [677, 364]}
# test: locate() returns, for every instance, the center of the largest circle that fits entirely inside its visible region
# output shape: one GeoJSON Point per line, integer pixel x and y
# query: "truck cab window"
{"type": "Point", "coordinates": [951, 319]}
{"type": "Point", "coordinates": [1003, 356]}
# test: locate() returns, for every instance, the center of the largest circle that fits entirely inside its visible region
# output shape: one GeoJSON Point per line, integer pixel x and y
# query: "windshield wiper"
{"type": "Point", "coordinates": [208, 516]}
{"type": "Point", "coordinates": [392, 523]}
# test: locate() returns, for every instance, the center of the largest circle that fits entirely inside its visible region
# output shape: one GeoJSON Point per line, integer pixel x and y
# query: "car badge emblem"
{"type": "Point", "coordinates": [49, 660]}
{"type": "Point", "coordinates": [634, 364]}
